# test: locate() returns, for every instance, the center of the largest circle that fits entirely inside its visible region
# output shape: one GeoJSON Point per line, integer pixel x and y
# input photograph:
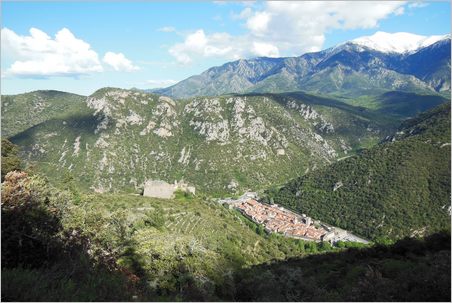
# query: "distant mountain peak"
{"type": "Point", "coordinates": [383, 61]}
{"type": "Point", "coordinates": [400, 42]}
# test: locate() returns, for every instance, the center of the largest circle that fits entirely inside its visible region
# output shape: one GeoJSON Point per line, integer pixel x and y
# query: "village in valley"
{"type": "Point", "coordinates": [277, 219]}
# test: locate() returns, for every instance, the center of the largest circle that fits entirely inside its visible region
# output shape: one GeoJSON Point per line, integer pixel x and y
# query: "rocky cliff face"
{"type": "Point", "coordinates": [120, 138]}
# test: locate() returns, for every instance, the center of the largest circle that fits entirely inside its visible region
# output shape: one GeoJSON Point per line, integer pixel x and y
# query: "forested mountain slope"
{"type": "Point", "coordinates": [400, 187]}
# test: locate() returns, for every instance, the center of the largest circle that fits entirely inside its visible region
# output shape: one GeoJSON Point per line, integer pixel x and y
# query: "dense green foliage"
{"type": "Point", "coordinates": [407, 104]}
{"type": "Point", "coordinates": [410, 270]}
{"type": "Point", "coordinates": [398, 103]}
{"type": "Point", "coordinates": [10, 158]}
{"type": "Point", "coordinates": [400, 187]}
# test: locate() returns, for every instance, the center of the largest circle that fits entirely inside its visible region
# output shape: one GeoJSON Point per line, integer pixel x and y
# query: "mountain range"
{"type": "Point", "coordinates": [364, 66]}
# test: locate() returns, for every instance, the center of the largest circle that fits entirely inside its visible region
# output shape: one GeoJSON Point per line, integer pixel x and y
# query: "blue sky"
{"type": "Point", "coordinates": [81, 47]}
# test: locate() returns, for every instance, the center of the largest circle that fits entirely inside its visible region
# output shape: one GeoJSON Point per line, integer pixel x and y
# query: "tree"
{"type": "Point", "coordinates": [260, 230]}
{"type": "Point", "coordinates": [10, 160]}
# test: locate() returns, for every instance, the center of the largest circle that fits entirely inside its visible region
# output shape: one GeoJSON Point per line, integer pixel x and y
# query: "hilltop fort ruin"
{"type": "Point", "coordinates": [164, 190]}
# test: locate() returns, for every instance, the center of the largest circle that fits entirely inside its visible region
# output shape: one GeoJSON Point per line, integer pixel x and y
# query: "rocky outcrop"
{"type": "Point", "coordinates": [311, 115]}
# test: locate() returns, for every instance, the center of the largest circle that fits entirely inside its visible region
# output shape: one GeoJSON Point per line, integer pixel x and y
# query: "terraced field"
{"type": "Point", "coordinates": [184, 222]}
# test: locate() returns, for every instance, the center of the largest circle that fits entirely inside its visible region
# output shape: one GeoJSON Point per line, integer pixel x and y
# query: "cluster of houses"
{"type": "Point", "coordinates": [280, 220]}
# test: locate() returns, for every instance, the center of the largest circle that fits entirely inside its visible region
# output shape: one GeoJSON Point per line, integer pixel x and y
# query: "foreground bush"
{"type": "Point", "coordinates": [43, 261]}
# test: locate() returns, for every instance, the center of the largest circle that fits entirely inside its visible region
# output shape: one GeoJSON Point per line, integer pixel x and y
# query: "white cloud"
{"type": "Point", "coordinates": [298, 27]}
{"type": "Point", "coordinates": [178, 52]}
{"type": "Point", "coordinates": [167, 29]}
{"type": "Point", "coordinates": [200, 44]}
{"type": "Point", "coordinates": [38, 55]}
{"type": "Point", "coordinates": [244, 14]}
{"type": "Point", "coordinates": [265, 50]}
{"type": "Point", "coordinates": [197, 40]}
{"type": "Point", "coordinates": [258, 23]}
{"type": "Point", "coordinates": [119, 62]}
{"type": "Point", "coordinates": [161, 83]}
{"type": "Point", "coordinates": [224, 45]}
{"type": "Point", "coordinates": [285, 28]}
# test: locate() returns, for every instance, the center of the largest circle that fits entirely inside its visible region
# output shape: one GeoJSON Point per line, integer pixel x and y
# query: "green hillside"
{"type": "Point", "coordinates": [117, 139]}
{"type": "Point", "coordinates": [20, 112]}
{"type": "Point", "coordinates": [400, 187]}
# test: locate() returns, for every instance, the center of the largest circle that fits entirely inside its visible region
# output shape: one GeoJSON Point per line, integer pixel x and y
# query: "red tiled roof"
{"type": "Point", "coordinates": [252, 202]}
{"type": "Point", "coordinates": [280, 220]}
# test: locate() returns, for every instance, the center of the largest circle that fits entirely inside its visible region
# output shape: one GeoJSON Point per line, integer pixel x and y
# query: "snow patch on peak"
{"type": "Point", "coordinates": [397, 42]}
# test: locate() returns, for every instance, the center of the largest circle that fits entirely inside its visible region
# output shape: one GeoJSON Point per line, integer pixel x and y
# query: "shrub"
{"type": "Point", "coordinates": [30, 223]}
{"type": "Point", "coordinates": [182, 195]}
{"type": "Point", "coordinates": [43, 261]}
{"type": "Point", "coordinates": [155, 219]}
{"type": "Point", "coordinates": [10, 160]}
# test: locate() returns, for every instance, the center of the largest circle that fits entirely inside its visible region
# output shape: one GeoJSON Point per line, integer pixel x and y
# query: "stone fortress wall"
{"type": "Point", "coordinates": [164, 190]}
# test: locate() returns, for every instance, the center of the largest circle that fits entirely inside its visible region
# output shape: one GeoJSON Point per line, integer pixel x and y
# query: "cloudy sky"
{"type": "Point", "coordinates": [81, 47]}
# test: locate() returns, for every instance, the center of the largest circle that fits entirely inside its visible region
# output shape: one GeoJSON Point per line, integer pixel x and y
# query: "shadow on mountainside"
{"type": "Point", "coordinates": [409, 270]}
{"type": "Point", "coordinates": [405, 104]}
{"type": "Point", "coordinates": [74, 125]}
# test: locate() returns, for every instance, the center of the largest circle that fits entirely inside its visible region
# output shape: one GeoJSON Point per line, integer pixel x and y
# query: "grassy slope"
{"type": "Point", "coordinates": [183, 249]}
{"type": "Point", "coordinates": [209, 240]}
{"type": "Point", "coordinates": [193, 250]}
